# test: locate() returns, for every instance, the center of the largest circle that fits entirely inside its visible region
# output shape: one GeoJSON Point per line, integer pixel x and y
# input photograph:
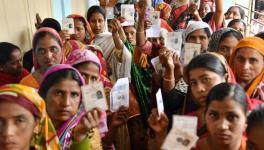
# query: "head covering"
{"type": "Point", "coordinates": [164, 9]}
{"type": "Point", "coordinates": [64, 132]}
{"type": "Point", "coordinates": [29, 99]}
{"type": "Point", "coordinates": [257, 44]}
{"type": "Point", "coordinates": [34, 43]}
{"type": "Point", "coordinates": [196, 25]}
{"type": "Point", "coordinates": [216, 37]}
{"type": "Point", "coordinates": [83, 55]}
{"type": "Point", "coordinates": [89, 33]}
{"type": "Point", "coordinates": [177, 16]}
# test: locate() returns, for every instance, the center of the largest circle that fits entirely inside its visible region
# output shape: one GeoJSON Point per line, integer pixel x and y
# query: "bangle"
{"type": "Point", "coordinates": [140, 32]}
{"type": "Point", "coordinates": [168, 80]}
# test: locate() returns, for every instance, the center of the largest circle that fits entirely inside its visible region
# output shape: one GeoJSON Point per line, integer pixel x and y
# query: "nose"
{"type": "Point", "coordinates": [222, 125]}
{"type": "Point", "coordinates": [66, 100]}
{"type": "Point", "coordinates": [201, 87]}
{"type": "Point", "coordinates": [197, 40]}
{"type": "Point", "coordinates": [8, 130]}
{"type": "Point", "coordinates": [246, 65]}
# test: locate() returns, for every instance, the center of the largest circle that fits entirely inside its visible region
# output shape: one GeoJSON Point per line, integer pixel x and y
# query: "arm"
{"type": "Point", "coordinates": [140, 37]}
{"type": "Point", "coordinates": [219, 12]}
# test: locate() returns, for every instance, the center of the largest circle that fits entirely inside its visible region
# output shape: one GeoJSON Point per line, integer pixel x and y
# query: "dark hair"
{"type": "Point", "coordinates": [51, 23]}
{"type": "Point", "coordinates": [231, 23]}
{"type": "Point", "coordinates": [95, 9]}
{"type": "Point", "coordinates": [241, 11]}
{"type": "Point", "coordinates": [233, 90]}
{"type": "Point", "coordinates": [255, 118]}
{"type": "Point", "coordinates": [42, 35]}
{"type": "Point", "coordinates": [76, 66]}
{"type": "Point", "coordinates": [206, 30]}
{"type": "Point", "coordinates": [208, 17]}
{"type": "Point", "coordinates": [260, 35]}
{"type": "Point", "coordinates": [56, 77]}
{"type": "Point", "coordinates": [207, 61]}
{"type": "Point", "coordinates": [231, 33]}
{"type": "Point", "coordinates": [6, 49]}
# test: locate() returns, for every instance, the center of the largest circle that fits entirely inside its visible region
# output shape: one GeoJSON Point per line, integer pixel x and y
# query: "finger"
{"type": "Point", "coordinates": [90, 119]}
{"type": "Point", "coordinates": [96, 117]}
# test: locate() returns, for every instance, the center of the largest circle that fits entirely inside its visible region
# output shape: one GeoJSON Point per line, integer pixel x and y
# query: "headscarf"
{"type": "Point", "coordinates": [89, 33]}
{"type": "Point", "coordinates": [64, 132]}
{"type": "Point", "coordinates": [83, 55]}
{"type": "Point", "coordinates": [196, 25]}
{"type": "Point", "coordinates": [34, 43]}
{"type": "Point", "coordinates": [178, 14]}
{"type": "Point", "coordinates": [27, 97]}
{"type": "Point", "coordinates": [257, 44]}
{"type": "Point", "coordinates": [214, 42]}
{"type": "Point", "coordinates": [164, 9]}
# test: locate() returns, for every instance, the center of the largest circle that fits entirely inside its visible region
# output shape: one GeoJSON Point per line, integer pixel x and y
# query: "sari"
{"type": "Point", "coordinates": [28, 79]}
{"type": "Point", "coordinates": [46, 138]}
{"type": "Point", "coordinates": [256, 88]}
{"type": "Point", "coordinates": [64, 132]}
{"type": "Point", "coordinates": [116, 69]}
{"type": "Point", "coordinates": [11, 79]}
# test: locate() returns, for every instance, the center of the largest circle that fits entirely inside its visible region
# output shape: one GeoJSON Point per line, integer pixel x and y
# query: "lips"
{"type": "Point", "coordinates": [8, 145]}
{"type": "Point", "coordinates": [222, 136]}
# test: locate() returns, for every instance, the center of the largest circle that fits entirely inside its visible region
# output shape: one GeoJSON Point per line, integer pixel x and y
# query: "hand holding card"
{"type": "Point", "coordinates": [119, 95]}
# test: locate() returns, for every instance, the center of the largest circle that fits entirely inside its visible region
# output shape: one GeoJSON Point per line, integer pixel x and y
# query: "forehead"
{"type": "Point", "coordinates": [89, 67]}
{"type": "Point", "coordinates": [248, 52]}
{"type": "Point", "coordinates": [226, 105]}
{"type": "Point", "coordinates": [10, 110]}
{"type": "Point", "coordinates": [234, 10]}
{"type": "Point", "coordinates": [97, 15]}
{"type": "Point", "coordinates": [47, 41]}
{"type": "Point", "coordinates": [129, 29]}
{"type": "Point", "coordinates": [66, 84]}
{"type": "Point", "coordinates": [78, 22]}
{"type": "Point", "coordinates": [198, 72]}
{"type": "Point", "coordinates": [198, 32]}
{"type": "Point", "coordinates": [229, 40]}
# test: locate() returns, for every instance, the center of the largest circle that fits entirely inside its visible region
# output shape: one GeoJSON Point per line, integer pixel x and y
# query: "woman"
{"type": "Point", "coordinates": [247, 61]}
{"type": "Point", "coordinates": [115, 53]}
{"type": "Point", "coordinates": [89, 66]}
{"type": "Point", "coordinates": [225, 118]}
{"type": "Point", "coordinates": [11, 69]}
{"type": "Point", "coordinates": [47, 51]}
{"type": "Point", "coordinates": [235, 12]}
{"type": "Point", "coordinates": [255, 134]}
{"type": "Point", "coordinates": [61, 90]}
{"type": "Point", "coordinates": [24, 122]}
{"type": "Point", "coordinates": [239, 25]}
{"type": "Point", "coordinates": [198, 32]}
{"type": "Point", "coordinates": [164, 9]}
{"type": "Point", "coordinates": [223, 41]}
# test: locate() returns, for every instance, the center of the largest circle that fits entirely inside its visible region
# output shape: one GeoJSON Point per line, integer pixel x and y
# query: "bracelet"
{"type": "Point", "coordinates": [140, 32]}
{"type": "Point", "coordinates": [168, 80]}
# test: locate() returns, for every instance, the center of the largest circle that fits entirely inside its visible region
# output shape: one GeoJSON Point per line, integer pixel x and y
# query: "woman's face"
{"type": "Point", "coordinates": [14, 65]}
{"type": "Point", "coordinates": [48, 52]}
{"type": "Point", "coordinates": [199, 37]}
{"type": "Point", "coordinates": [97, 23]}
{"type": "Point", "coordinates": [130, 32]}
{"type": "Point", "coordinates": [226, 45]}
{"type": "Point", "coordinates": [201, 82]}
{"type": "Point", "coordinates": [205, 10]}
{"type": "Point", "coordinates": [255, 138]}
{"type": "Point", "coordinates": [63, 100]}
{"type": "Point", "coordinates": [80, 31]}
{"type": "Point", "coordinates": [239, 27]}
{"type": "Point", "coordinates": [90, 72]}
{"type": "Point", "coordinates": [233, 13]}
{"type": "Point", "coordinates": [17, 126]}
{"type": "Point", "coordinates": [248, 64]}
{"type": "Point", "coordinates": [225, 121]}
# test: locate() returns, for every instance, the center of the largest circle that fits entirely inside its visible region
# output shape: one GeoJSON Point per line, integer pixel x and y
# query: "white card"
{"type": "Point", "coordinates": [159, 100]}
{"type": "Point", "coordinates": [119, 95]}
{"type": "Point", "coordinates": [185, 123]}
{"type": "Point", "coordinates": [153, 31]}
{"type": "Point", "coordinates": [109, 12]}
{"type": "Point", "coordinates": [179, 140]}
{"type": "Point", "coordinates": [154, 18]}
{"type": "Point", "coordinates": [128, 12]}
{"type": "Point", "coordinates": [149, 10]}
{"type": "Point", "coordinates": [190, 51]}
{"type": "Point", "coordinates": [68, 24]}
{"type": "Point", "coordinates": [94, 96]}
{"type": "Point", "coordinates": [157, 65]}
{"type": "Point", "coordinates": [174, 42]}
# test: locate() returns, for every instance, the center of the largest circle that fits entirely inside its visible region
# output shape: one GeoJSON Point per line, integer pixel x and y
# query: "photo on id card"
{"type": "Point", "coordinates": [94, 96]}
{"type": "Point", "coordinates": [191, 50]}
{"type": "Point", "coordinates": [128, 12]}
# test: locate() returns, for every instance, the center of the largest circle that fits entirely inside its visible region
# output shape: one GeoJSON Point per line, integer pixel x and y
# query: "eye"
{"type": "Point", "coordinates": [41, 51]}
{"type": "Point", "coordinates": [193, 83]}
{"type": "Point", "coordinates": [75, 94]}
{"type": "Point", "coordinates": [253, 60]}
{"type": "Point", "coordinates": [20, 119]}
{"type": "Point", "coordinates": [94, 78]}
{"type": "Point", "coordinates": [58, 93]}
{"type": "Point", "coordinates": [54, 49]}
{"type": "Point", "coordinates": [232, 117]}
{"type": "Point", "coordinates": [206, 80]}
{"type": "Point", "coordinates": [213, 115]}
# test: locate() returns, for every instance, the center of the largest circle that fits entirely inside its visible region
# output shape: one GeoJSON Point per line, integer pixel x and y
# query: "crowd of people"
{"type": "Point", "coordinates": [42, 106]}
